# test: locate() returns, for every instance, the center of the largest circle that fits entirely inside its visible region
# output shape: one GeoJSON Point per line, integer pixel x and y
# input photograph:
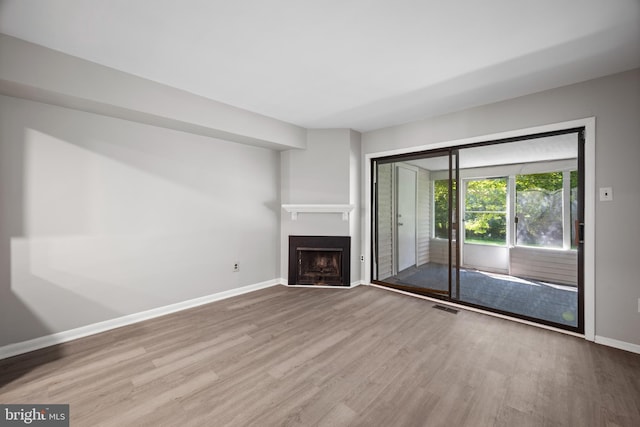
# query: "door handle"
{"type": "Point", "coordinates": [579, 232]}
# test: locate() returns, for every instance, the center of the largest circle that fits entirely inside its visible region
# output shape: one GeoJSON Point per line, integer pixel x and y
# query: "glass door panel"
{"type": "Point", "coordinates": [454, 220]}
{"type": "Point", "coordinates": [519, 205]}
{"type": "Point", "coordinates": [412, 225]}
{"type": "Point", "coordinates": [496, 225]}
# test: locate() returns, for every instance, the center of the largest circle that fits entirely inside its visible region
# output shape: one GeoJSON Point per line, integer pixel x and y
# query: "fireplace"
{"type": "Point", "coordinates": [320, 260]}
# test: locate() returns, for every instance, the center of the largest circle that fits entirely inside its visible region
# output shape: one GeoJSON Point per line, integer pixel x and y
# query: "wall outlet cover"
{"type": "Point", "coordinates": [606, 194]}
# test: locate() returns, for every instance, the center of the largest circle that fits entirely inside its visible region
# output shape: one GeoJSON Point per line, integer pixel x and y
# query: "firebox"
{"type": "Point", "coordinates": [319, 260]}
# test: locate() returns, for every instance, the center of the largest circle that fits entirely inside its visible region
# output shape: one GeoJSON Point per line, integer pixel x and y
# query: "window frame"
{"type": "Point", "coordinates": [567, 226]}
{"type": "Point", "coordinates": [464, 210]}
{"type": "Point", "coordinates": [567, 243]}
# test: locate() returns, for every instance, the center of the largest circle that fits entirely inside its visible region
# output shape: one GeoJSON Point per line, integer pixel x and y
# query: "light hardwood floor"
{"type": "Point", "coordinates": [324, 357]}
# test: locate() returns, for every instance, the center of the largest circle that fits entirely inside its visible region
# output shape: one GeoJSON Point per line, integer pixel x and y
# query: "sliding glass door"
{"type": "Point", "coordinates": [415, 226]}
{"type": "Point", "coordinates": [495, 225]}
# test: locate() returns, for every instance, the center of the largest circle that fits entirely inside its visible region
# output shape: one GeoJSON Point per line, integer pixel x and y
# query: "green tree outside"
{"type": "Point", "coordinates": [538, 208]}
{"type": "Point", "coordinates": [485, 219]}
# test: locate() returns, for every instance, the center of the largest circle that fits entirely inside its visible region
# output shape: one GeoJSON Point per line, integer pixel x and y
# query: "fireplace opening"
{"type": "Point", "coordinates": [319, 260]}
{"type": "Point", "coordinates": [318, 266]}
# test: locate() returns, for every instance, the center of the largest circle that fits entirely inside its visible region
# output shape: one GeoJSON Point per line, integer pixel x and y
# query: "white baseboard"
{"type": "Point", "coordinates": [83, 331]}
{"type": "Point", "coordinates": [622, 345]}
{"type": "Point", "coordinates": [95, 328]}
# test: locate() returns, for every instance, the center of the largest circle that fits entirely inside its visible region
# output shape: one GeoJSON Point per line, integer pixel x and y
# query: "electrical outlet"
{"type": "Point", "coordinates": [236, 267]}
{"type": "Point", "coordinates": [361, 258]}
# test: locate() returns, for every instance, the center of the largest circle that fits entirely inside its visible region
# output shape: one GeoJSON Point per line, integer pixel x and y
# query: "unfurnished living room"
{"type": "Point", "coordinates": [330, 213]}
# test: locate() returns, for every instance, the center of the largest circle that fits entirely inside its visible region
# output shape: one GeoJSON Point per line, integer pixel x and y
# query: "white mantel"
{"type": "Point", "coordinates": [324, 208]}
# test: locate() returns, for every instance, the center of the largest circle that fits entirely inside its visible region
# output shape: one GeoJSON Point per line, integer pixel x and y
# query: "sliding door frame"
{"type": "Point", "coordinates": [586, 257]}
{"type": "Point", "coordinates": [374, 225]}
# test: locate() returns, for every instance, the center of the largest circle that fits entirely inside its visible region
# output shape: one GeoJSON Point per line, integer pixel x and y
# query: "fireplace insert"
{"type": "Point", "coordinates": [319, 260]}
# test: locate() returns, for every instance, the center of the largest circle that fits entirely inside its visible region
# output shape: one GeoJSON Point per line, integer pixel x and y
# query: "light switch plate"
{"type": "Point", "coordinates": [606, 194]}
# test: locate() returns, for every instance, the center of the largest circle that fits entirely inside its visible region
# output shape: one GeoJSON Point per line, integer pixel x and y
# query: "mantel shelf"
{"type": "Point", "coordinates": [296, 209]}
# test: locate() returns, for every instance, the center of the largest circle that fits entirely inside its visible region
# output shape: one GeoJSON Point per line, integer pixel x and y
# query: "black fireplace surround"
{"type": "Point", "coordinates": [320, 260]}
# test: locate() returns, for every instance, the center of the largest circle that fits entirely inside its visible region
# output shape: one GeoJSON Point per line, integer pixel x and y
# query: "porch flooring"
{"type": "Point", "coordinates": [533, 298]}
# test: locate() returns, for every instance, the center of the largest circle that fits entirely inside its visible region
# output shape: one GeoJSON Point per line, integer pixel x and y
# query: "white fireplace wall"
{"type": "Point", "coordinates": [326, 172]}
{"type": "Point", "coordinates": [355, 223]}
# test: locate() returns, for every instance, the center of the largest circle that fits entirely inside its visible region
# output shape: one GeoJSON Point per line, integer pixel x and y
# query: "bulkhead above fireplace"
{"type": "Point", "coordinates": [320, 260]}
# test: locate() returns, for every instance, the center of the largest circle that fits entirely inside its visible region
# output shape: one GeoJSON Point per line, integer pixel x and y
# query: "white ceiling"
{"type": "Point", "coordinates": [362, 64]}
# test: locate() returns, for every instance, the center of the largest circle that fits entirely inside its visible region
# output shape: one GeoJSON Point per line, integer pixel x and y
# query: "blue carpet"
{"type": "Point", "coordinates": [533, 298]}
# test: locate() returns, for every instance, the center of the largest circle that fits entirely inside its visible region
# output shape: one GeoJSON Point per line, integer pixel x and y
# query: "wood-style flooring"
{"type": "Point", "coordinates": [330, 357]}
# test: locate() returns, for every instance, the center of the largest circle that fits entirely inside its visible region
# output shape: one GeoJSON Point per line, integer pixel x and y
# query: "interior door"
{"type": "Point", "coordinates": [406, 217]}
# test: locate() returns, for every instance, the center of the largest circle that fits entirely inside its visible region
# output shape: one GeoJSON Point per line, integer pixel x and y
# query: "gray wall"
{"type": "Point", "coordinates": [320, 173]}
{"type": "Point", "coordinates": [103, 217]}
{"type": "Point", "coordinates": [326, 172]}
{"type": "Point", "coordinates": [35, 72]}
{"type": "Point", "coordinates": [615, 102]}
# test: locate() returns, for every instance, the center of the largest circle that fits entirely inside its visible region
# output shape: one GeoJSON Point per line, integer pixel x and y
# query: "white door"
{"type": "Point", "coordinates": [406, 218]}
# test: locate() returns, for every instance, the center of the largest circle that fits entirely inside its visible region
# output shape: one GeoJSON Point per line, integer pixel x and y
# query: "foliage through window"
{"type": "Point", "coordinates": [485, 216]}
{"type": "Point", "coordinates": [441, 208]}
{"type": "Point", "coordinates": [573, 200]}
{"type": "Point", "coordinates": [539, 209]}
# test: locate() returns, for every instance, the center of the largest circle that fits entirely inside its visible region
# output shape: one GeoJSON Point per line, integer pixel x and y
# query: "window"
{"type": "Point", "coordinates": [540, 210]}
{"type": "Point", "coordinates": [545, 208]}
{"type": "Point", "coordinates": [441, 208]}
{"type": "Point", "coordinates": [485, 215]}
{"type": "Point", "coordinates": [573, 200]}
